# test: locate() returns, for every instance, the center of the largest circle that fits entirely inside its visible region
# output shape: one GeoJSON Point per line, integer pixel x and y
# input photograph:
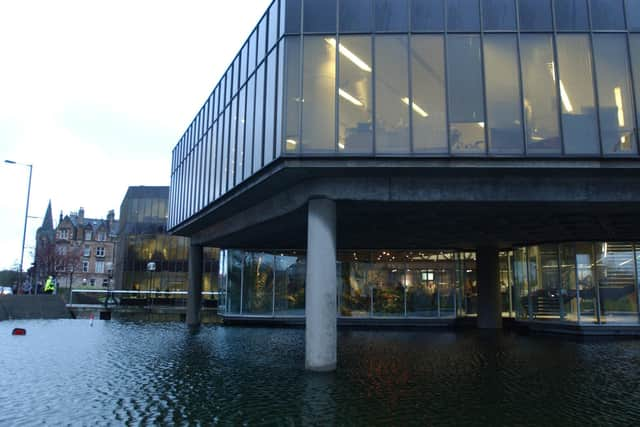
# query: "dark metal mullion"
{"type": "Point", "coordinates": [594, 80]}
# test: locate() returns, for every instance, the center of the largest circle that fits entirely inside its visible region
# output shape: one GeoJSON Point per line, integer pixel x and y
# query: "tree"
{"type": "Point", "coordinates": [68, 260]}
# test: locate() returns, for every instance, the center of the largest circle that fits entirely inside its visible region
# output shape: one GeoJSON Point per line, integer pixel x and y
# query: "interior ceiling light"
{"type": "Point", "coordinates": [566, 102]}
{"type": "Point", "coordinates": [415, 107]}
{"type": "Point", "coordinates": [292, 142]}
{"type": "Point", "coordinates": [352, 99]}
{"type": "Point", "coordinates": [617, 93]}
{"type": "Point", "coordinates": [349, 55]}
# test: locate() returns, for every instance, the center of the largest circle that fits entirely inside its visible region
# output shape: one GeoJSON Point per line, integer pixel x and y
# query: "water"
{"type": "Point", "coordinates": [67, 372]}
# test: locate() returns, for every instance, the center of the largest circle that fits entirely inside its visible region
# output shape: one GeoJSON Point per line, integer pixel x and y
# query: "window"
{"type": "Point", "coordinates": [100, 251]}
{"type": "Point", "coordinates": [504, 117]}
{"type": "Point", "coordinates": [354, 97]}
{"type": "Point", "coordinates": [391, 15]}
{"type": "Point", "coordinates": [105, 283]}
{"type": "Point", "coordinates": [607, 14]}
{"type": "Point", "coordinates": [615, 97]}
{"type": "Point", "coordinates": [101, 236]}
{"type": "Point", "coordinates": [634, 47]}
{"type": "Point", "coordinates": [429, 98]}
{"type": "Point", "coordinates": [463, 15]}
{"type": "Point", "coordinates": [61, 250]}
{"type": "Point", "coordinates": [427, 15]}
{"type": "Point", "coordinates": [319, 16]}
{"type": "Point", "coordinates": [292, 94]}
{"type": "Point", "coordinates": [466, 97]}
{"type": "Point", "coordinates": [540, 94]}
{"type": "Point", "coordinates": [258, 136]}
{"type": "Point", "coordinates": [85, 266]}
{"type": "Point", "coordinates": [392, 95]}
{"type": "Point", "coordinates": [572, 15]}
{"type": "Point", "coordinates": [535, 15]}
{"type": "Point", "coordinates": [318, 114]}
{"type": "Point", "coordinates": [355, 16]}
{"type": "Point", "coordinates": [86, 251]}
{"type": "Point", "coordinates": [99, 266]}
{"type": "Point", "coordinates": [88, 235]}
{"type": "Point", "coordinates": [92, 282]}
{"type": "Point", "coordinates": [499, 14]}
{"type": "Point", "coordinates": [579, 123]}
{"type": "Point", "coordinates": [63, 234]}
{"type": "Point", "coordinates": [633, 15]}
{"type": "Point", "coordinates": [269, 109]}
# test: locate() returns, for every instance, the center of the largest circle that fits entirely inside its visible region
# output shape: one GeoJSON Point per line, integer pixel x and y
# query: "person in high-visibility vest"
{"type": "Point", "coordinates": [49, 286]}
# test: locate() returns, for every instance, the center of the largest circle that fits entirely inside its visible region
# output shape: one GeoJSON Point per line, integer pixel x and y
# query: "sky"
{"type": "Point", "coordinates": [95, 95]}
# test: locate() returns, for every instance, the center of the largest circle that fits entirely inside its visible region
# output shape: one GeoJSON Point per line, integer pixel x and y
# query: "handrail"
{"type": "Point", "coordinates": [112, 293]}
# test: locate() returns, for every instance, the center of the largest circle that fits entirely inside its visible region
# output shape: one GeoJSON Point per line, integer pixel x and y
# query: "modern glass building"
{"type": "Point", "coordinates": [457, 157]}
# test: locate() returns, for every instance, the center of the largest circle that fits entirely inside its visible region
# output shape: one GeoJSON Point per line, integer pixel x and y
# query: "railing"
{"type": "Point", "coordinates": [111, 298]}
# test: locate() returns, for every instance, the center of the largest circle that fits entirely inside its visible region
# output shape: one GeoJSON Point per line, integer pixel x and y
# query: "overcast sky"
{"type": "Point", "coordinates": [95, 94]}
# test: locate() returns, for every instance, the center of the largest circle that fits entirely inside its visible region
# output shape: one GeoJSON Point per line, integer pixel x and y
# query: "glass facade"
{"type": "Point", "coordinates": [416, 78]}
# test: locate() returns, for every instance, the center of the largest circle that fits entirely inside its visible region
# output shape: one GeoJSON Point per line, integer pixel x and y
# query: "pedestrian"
{"type": "Point", "coordinates": [49, 287]}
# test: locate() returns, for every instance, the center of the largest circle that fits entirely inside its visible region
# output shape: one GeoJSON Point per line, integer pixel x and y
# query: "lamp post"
{"type": "Point", "coordinates": [26, 215]}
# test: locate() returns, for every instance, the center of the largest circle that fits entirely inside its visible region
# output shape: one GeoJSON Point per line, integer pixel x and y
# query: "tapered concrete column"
{"type": "Point", "coordinates": [194, 297]}
{"type": "Point", "coordinates": [489, 303]}
{"type": "Point", "coordinates": [320, 291]}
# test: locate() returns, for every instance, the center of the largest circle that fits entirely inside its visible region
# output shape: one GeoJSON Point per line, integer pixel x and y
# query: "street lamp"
{"type": "Point", "coordinates": [26, 215]}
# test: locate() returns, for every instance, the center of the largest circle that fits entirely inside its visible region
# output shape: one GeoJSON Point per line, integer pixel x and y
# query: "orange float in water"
{"type": "Point", "coordinates": [19, 331]}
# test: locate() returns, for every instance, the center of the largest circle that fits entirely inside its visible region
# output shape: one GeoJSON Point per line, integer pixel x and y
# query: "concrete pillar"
{"type": "Point", "coordinates": [194, 297]}
{"type": "Point", "coordinates": [321, 335]}
{"type": "Point", "coordinates": [489, 302]}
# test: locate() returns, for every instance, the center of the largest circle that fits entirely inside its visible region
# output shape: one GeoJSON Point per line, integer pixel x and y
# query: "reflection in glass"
{"type": "Point", "coordinates": [392, 91]}
{"type": "Point", "coordinates": [225, 152]}
{"type": "Point", "coordinates": [572, 15]}
{"type": "Point", "coordinates": [354, 96]}
{"type": "Point", "coordinates": [427, 15]}
{"type": "Point", "coordinates": [466, 95]}
{"type": "Point", "coordinates": [616, 283]}
{"type": "Point", "coordinates": [262, 38]}
{"type": "Point", "coordinates": [463, 15]}
{"type": "Point", "coordinates": [534, 15]}
{"type": "Point", "coordinates": [318, 84]}
{"type": "Point", "coordinates": [633, 15]}
{"type": "Point", "coordinates": [614, 93]}
{"type": "Point", "coordinates": [354, 295]}
{"type": "Point", "coordinates": [270, 114]}
{"type": "Point", "coordinates": [258, 135]}
{"type": "Point", "coordinates": [607, 14]}
{"type": "Point", "coordinates": [504, 118]}
{"type": "Point", "coordinates": [391, 15]}
{"type": "Point", "coordinates": [240, 144]}
{"type": "Point", "coordinates": [319, 16]}
{"type": "Point", "coordinates": [292, 12]}
{"type": "Point", "coordinates": [289, 285]}
{"type": "Point", "coordinates": [355, 16]}
{"type": "Point", "coordinates": [540, 94]}
{"type": "Point", "coordinates": [292, 94]}
{"type": "Point", "coordinates": [248, 139]}
{"type": "Point", "coordinates": [634, 47]}
{"type": "Point", "coordinates": [520, 283]}
{"type": "Point", "coordinates": [280, 100]}
{"type": "Point", "coordinates": [232, 141]}
{"type": "Point", "coordinates": [257, 284]}
{"type": "Point", "coordinates": [429, 104]}
{"type": "Point", "coordinates": [252, 51]}
{"type": "Point", "coordinates": [499, 14]}
{"type": "Point", "coordinates": [273, 25]}
{"type": "Point", "coordinates": [579, 122]}
{"type": "Point", "coordinates": [234, 279]}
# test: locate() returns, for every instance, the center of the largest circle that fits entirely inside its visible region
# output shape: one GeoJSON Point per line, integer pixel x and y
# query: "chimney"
{"type": "Point", "coordinates": [81, 215]}
{"type": "Point", "coordinates": [110, 217]}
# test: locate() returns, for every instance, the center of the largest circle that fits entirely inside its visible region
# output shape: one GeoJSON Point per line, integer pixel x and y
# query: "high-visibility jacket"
{"type": "Point", "coordinates": [49, 286]}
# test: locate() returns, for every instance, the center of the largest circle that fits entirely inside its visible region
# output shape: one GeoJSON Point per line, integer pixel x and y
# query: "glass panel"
{"type": "Point", "coordinates": [520, 283]}
{"type": "Point", "coordinates": [241, 123]}
{"type": "Point", "coordinates": [392, 91]}
{"type": "Point", "coordinates": [319, 16]}
{"type": "Point", "coordinates": [318, 115]}
{"type": "Point", "coordinates": [355, 16]}
{"type": "Point", "coordinates": [229, 82]}
{"type": "Point", "coordinates": [391, 15]}
{"type": "Point", "coordinates": [355, 293]}
{"type": "Point", "coordinates": [614, 93]}
{"type": "Point", "coordinates": [569, 301]}
{"type": "Point", "coordinates": [634, 46]}
{"type": "Point", "coordinates": [499, 14]}
{"type": "Point", "coordinates": [504, 117]}
{"type": "Point", "coordinates": [429, 104]}
{"type": "Point", "coordinates": [506, 287]}
{"type": "Point", "coordinates": [234, 280]}
{"type": "Point", "coordinates": [579, 123]}
{"type": "Point", "coordinates": [293, 10]}
{"type": "Point", "coordinates": [270, 114]}
{"type": "Point", "coordinates": [540, 94]}
{"type": "Point", "coordinates": [258, 135]}
{"type": "Point", "coordinates": [257, 289]}
{"type": "Point", "coordinates": [616, 284]}
{"type": "Point", "coordinates": [280, 101]}
{"type": "Point", "coordinates": [214, 156]}
{"type": "Point", "coordinates": [633, 15]}
{"type": "Point", "coordinates": [291, 270]}
{"type": "Point", "coordinates": [535, 15]}
{"type": "Point", "coordinates": [467, 269]}
{"type": "Point", "coordinates": [386, 278]}
{"type": "Point", "coordinates": [236, 75]}
{"type": "Point", "coordinates": [586, 282]}
{"type": "Point", "coordinates": [463, 15]}
{"type": "Point", "coordinates": [466, 95]}
{"type": "Point", "coordinates": [243, 63]}
{"type": "Point", "coordinates": [262, 38]}
{"type": "Point", "coordinates": [607, 15]}
{"type": "Point", "coordinates": [427, 15]}
{"type": "Point", "coordinates": [225, 152]}
{"type": "Point", "coordinates": [354, 96]}
{"type": "Point", "coordinates": [544, 282]}
{"type": "Point", "coordinates": [249, 125]}
{"type": "Point", "coordinates": [252, 51]}
{"type": "Point", "coordinates": [292, 95]}
{"type": "Point", "coordinates": [232, 142]}
{"type": "Point", "coordinates": [273, 25]}
{"type": "Point", "coordinates": [572, 15]}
